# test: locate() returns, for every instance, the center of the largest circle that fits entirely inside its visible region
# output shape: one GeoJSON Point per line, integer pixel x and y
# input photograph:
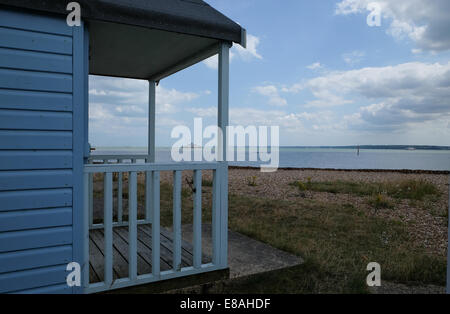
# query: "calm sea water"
{"type": "Point", "coordinates": [297, 157]}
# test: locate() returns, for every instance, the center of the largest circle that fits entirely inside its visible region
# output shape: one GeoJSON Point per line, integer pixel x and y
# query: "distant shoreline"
{"type": "Point", "coordinates": [374, 147]}
{"type": "Point", "coordinates": [405, 171]}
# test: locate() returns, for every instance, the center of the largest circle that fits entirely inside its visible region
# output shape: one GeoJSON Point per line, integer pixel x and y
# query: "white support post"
{"type": "Point", "coordinates": [151, 150]}
{"type": "Point", "coordinates": [197, 228]}
{"type": "Point", "coordinates": [85, 266]}
{"type": "Point", "coordinates": [223, 101]}
{"type": "Point", "coordinates": [132, 226]}
{"type": "Point", "coordinates": [108, 230]}
{"type": "Point", "coordinates": [151, 120]}
{"type": "Point", "coordinates": [177, 220]}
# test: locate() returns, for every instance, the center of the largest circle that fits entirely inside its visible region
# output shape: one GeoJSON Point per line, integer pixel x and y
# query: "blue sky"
{"type": "Point", "coordinates": [314, 68]}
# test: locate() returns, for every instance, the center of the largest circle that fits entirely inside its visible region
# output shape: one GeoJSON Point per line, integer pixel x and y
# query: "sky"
{"type": "Point", "coordinates": [316, 69]}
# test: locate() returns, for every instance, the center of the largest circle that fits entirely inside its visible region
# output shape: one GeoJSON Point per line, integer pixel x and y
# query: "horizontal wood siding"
{"type": "Point", "coordinates": [20, 139]}
{"type": "Point", "coordinates": [35, 218]}
{"type": "Point", "coordinates": [32, 100]}
{"type": "Point", "coordinates": [35, 238]}
{"type": "Point", "coordinates": [33, 278]}
{"type": "Point", "coordinates": [33, 199]}
{"type": "Point", "coordinates": [35, 159]}
{"type": "Point", "coordinates": [36, 152]}
{"type": "Point", "coordinates": [29, 259]}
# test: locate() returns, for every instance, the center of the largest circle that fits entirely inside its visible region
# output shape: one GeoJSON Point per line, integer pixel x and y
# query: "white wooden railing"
{"type": "Point", "coordinates": [117, 159]}
{"type": "Point", "coordinates": [152, 171]}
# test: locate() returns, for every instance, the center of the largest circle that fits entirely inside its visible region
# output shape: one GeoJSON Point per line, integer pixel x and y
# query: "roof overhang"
{"type": "Point", "coordinates": [146, 39]}
{"type": "Point", "coordinates": [141, 53]}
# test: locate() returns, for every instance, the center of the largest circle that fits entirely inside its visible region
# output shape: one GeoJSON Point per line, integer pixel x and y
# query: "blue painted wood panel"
{"type": "Point", "coordinates": [80, 134]}
{"type": "Point", "coordinates": [34, 199]}
{"type": "Point", "coordinates": [40, 81]}
{"type": "Point", "coordinates": [35, 140]}
{"type": "Point", "coordinates": [32, 100]}
{"type": "Point", "coordinates": [31, 239]}
{"type": "Point", "coordinates": [54, 289]}
{"type": "Point", "coordinates": [35, 120]}
{"type": "Point", "coordinates": [19, 39]}
{"type": "Point", "coordinates": [35, 179]}
{"type": "Point", "coordinates": [14, 261]}
{"type": "Point", "coordinates": [35, 219]}
{"type": "Point", "coordinates": [34, 278]}
{"type": "Point", "coordinates": [41, 149]}
{"type": "Point", "coordinates": [34, 22]}
{"type": "Point", "coordinates": [32, 159]}
{"type": "Point", "coordinates": [36, 61]}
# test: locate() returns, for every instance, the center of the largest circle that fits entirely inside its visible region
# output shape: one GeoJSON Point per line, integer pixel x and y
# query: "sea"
{"type": "Point", "coordinates": [326, 158]}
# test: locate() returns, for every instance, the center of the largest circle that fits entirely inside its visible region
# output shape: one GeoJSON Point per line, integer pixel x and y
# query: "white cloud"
{"type": "Point", "coordinates": [397, 95]}
{"type": "Point", "coordinates": [271, 92]}
{"type": "Point", "coordinates": [251, 52]}
{"type": "Point", "coordinates": [129, 97]}
{"type": "Point", "coordinates": [245, 54]}
{"type": "Point", "coordinates": [203, 112]}
{"type": "Point", "coordinates": [315, 66]}
{"type": "Point", "coordinates": [354, 57]}
{"type": "Point", "coordinates": [289, 123]}
{"type": "Point", "coordinates": [118, 109]}
{"type": "Point", "coordinates": [424, 22]}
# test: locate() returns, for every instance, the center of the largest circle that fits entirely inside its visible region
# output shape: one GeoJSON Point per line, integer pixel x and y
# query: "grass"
{"type": "Point", "coordinates": [336, 240]}
{"type": "Point", "coordinates": [404, 189]}
{"type": "Point", "coordinates": [252, 181]}
{"type": "Point", "coordinates": [380, 201]}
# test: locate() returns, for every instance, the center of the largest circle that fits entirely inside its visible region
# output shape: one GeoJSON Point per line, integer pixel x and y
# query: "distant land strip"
{"type": "Point", "coordinates": [396, 147]}
{"type": "Point", "coordinates": [406, 171]}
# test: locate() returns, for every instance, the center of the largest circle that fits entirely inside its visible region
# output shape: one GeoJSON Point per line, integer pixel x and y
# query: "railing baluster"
{"type": "Point", "coordinates": [216, 218]}
{"type": "Point", "coordinates": [85, 266]}
{"type": "Point", "coordinates": [148, 193]}
{"type": "Point", "coordinates": [119, 196]}
{"type": "Point", "coordinates": [108, 230]}
{"type": "Point", "coordinates": [155, 224]}
{"type": "Point", "coordinates": [177, 220]}
{"type": "Point", "coordinates": [91, 199]}
{"type": "Point", "coordinates": [197, 254]}
{"type": "Point", "coordinates": [132, 227]}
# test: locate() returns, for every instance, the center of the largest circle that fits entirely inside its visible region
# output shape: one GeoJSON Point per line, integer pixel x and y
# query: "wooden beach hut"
{"type": "Point", "coordinates": [46, 169]}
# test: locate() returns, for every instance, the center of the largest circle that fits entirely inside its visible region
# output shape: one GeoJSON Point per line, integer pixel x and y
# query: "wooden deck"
{"type": "Point", "coordinates": [144, 261]}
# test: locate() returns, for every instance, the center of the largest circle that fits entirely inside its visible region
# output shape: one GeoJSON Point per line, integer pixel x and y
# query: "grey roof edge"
{"type": "Point", "coordinates": [193, 17]}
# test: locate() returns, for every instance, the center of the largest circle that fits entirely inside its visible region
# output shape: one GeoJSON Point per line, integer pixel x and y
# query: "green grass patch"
{"type": "Point", "coordinates": [380, 201]}
{"type": "Point", "coordinates": [404, 189]}
{"type": "Point", "coordinates": [337, 242]}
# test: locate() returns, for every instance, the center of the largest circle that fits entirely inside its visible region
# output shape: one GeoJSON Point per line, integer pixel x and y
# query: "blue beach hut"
{"type": "Point", "coordinates": [46, 171]}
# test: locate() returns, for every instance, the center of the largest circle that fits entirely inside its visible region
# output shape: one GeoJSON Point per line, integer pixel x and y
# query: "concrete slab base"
{"type": "Point", "coordinates": [246, 256]}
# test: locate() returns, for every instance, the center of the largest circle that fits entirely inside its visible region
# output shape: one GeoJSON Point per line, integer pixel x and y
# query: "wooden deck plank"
{"type": "Point", "coordinates": [144, 243]}
{"type": "Point", "coordinates": [93, 277]}
{"type": "Point", "coordinates": [186, 256]}
{"type": "Point", "coordinates": [96, 259]}
{"type": "Point", "coordinates": [121, 240]}
{"type": "Point", "coordinates": [165, 256]}
{"type": "Point", "coordinates": [119, 262]}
